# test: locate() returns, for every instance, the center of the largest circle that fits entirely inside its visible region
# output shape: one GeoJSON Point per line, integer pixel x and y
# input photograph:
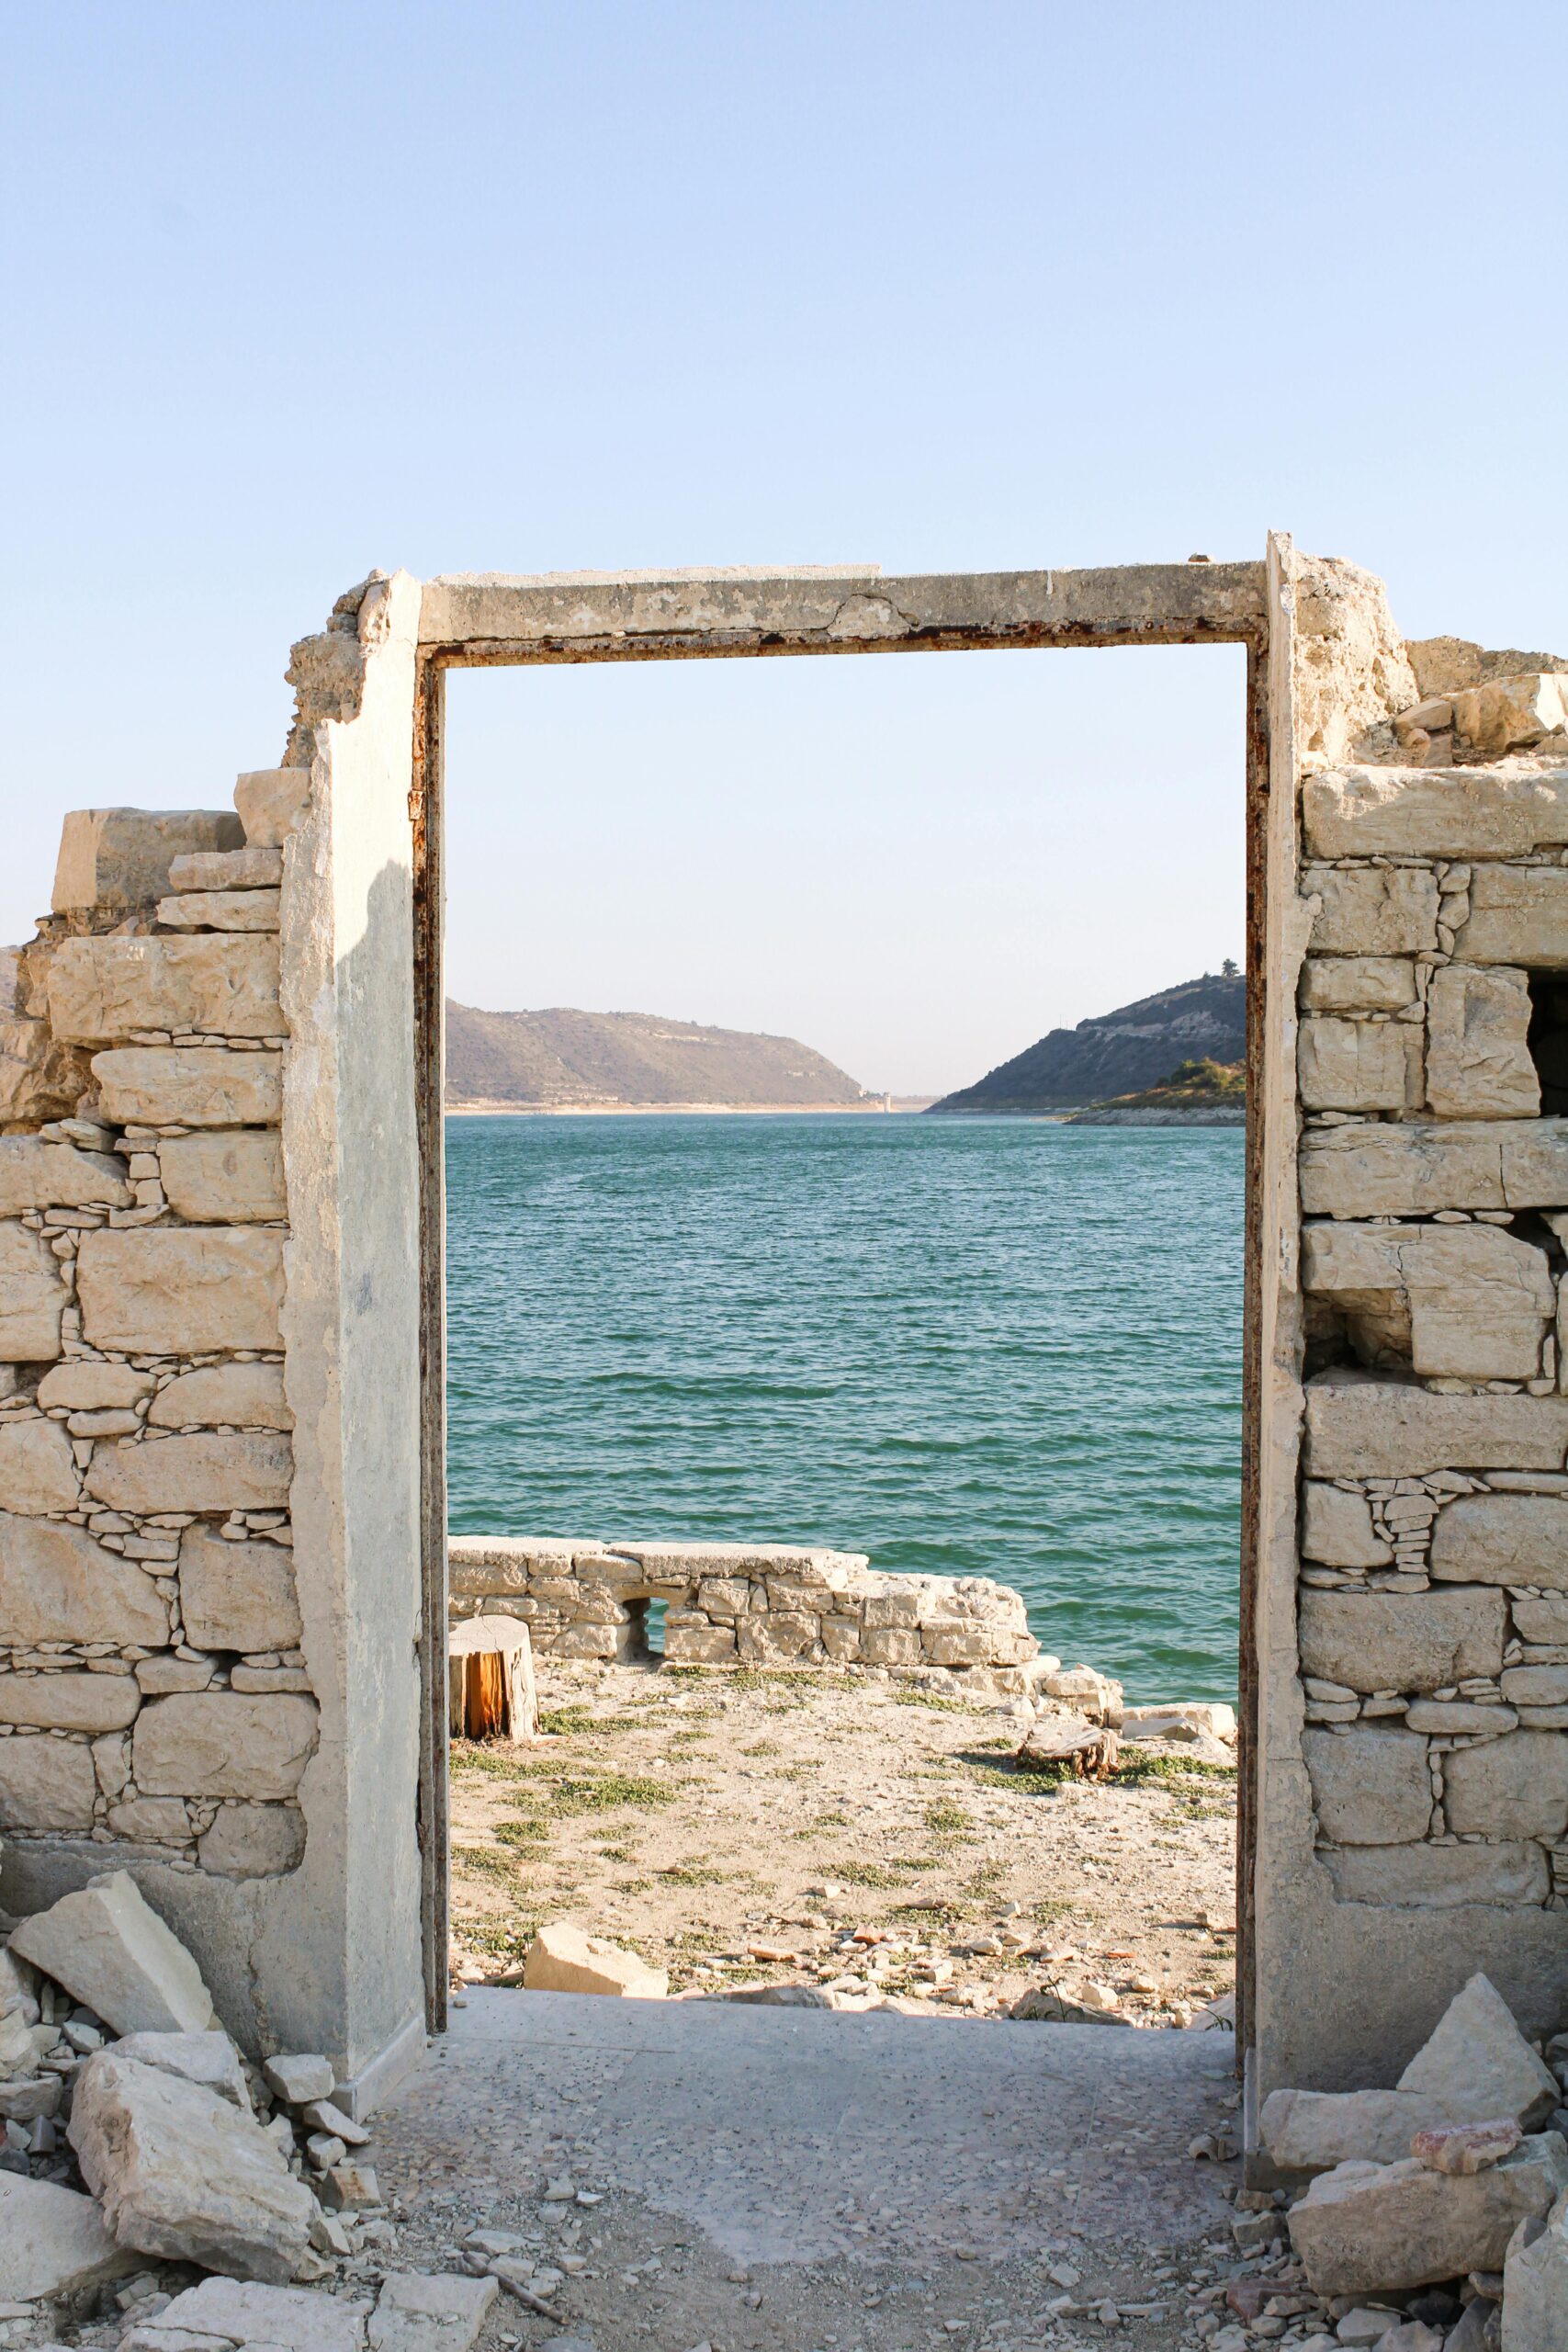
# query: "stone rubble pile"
{"type": "Point", "coordinates": [1434, 2216]}
{"type": "Point", "coordinates": [136, 2133]}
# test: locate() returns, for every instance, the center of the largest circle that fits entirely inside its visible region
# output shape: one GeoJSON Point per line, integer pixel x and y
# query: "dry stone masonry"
{"type": "Point", "coordinates": [729, 1604]}
{"type": "Point", "coordinates": [154, 1699]}
{"type": "Point", "coordinates": [1434, 1181]}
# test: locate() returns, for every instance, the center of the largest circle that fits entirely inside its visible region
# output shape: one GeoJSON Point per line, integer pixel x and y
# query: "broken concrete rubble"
{"type": "Point", "coordinates": [1366, 2226]}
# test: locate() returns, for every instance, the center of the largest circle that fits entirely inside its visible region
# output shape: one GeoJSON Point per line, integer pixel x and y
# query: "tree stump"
{"type": "Point", "coordinates": [491, 1692]}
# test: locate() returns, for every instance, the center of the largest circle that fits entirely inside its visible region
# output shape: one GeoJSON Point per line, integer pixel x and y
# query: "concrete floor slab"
{"type": "Point", "coordinates": [793, 2137]}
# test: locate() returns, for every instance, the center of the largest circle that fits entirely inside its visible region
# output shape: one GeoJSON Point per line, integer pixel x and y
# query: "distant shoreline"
{"type": "Point", "coordinates": [882, 1107]}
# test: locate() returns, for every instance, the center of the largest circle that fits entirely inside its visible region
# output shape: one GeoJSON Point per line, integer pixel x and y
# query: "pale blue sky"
{"type": "Point", "coordinates": [292, 290]}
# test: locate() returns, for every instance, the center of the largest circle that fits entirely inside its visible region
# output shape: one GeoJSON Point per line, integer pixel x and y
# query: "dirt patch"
{"type": "Point", "coordinates": [698, 1816]}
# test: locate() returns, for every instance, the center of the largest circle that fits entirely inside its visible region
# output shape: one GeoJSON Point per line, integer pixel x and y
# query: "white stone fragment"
{"type": "Point", "coordinates": [298, 2075]}
{"type": "Point", "coordinates": [210, 2059]}
{"type": "Point", "coordinates": [1366, 2226]}
{"type": "Point", "coordinates": [1314, 2130]}
{"type": "Point", "coordinates": [438, 2313]}
{"type": "Point", "coordinates": [113, 1952]}
{"type": "Point", "coordinates": [52, 2241]}
{"type": "Point", "coordinates": [1535, 2284]}
{"type": "Point", "coordinates": [562, 1958]}
{"type": "Point", "coordinates": [1478, 2064]}
{"type": "Point", "coordinates": [183, 2173]}
{"type": "Point", "coordinates": [291, 2318]}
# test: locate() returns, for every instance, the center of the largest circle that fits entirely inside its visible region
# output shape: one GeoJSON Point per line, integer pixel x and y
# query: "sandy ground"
{"type": "Point", "coordinates": [854, 1833]}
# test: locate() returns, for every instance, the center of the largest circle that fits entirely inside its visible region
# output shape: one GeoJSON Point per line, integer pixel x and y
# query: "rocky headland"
{"type": "Point", "coordinates": [1116, 1054]}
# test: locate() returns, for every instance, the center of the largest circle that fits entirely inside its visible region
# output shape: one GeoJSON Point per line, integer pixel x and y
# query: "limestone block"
{"type": "Point", "coordinates": [1535, 2285]}
{"type": "Point", "coordinates": [254, 1841]}
{"type": "Point", "coordinates": [1477, 1303]}
{"type": "Point", "coordinates": [1502, 1540]}
{"type": "Point", "coordinates": [113, 1952]}
{"type": "Point", "coordinates": [776, 1638]}
{"type": "Point", "coordinates": [1400, 1641]}
{"type": "Point", "coordinates": [243, 1471]}
{"type": "Point", "coordinates": [1433, 812]}
{"type": "Point", "coordinates": [1440, 1878]}
{"type": "Point", "coordinates": [1336, 1528]}
{"type": "Point", "coordinates": [197, 1086]}
{"type": "Point", "coordinates": [119, 858]}
{"type": "Point", "coordinates": [1358, 983]}
{"type": "Point", "coordinates": [1510, 714]}
{"type": "Point", "coordinates": [1362, 2226]}
{"type": "Point", "coordinates": [562, 1958]}
{"type": "Point", "coordinates": [1314, 2131]}
{"type": "Point", "coordinates": [891, 1645]}
{"type": "Point", "coordinates": [1513, 1787]}
{"type": "Point", "coordinates": [104, 989]}
{"type": "Point", "coordinates": [271, 802]}
{"type": "Point", "coordinates": [182, 2174]}
{"type": "Point", "coordinates": [724, 1596]}
{"type": "Point", "coordinates": [1358, 1065]}
{"type": "Point", "coordinates": [210, 2059]}
{"type": "Point", "coordinates": [32, 1297]}
{"type": "Point", "coordinates": [88, 1387]}
{"type": "Point", "coordinates": [221, 910]}
{"type": "Point", "coordinates": [1467, 1718]}
{"type": "Point", "coordinates": [1518, 914]}
{"type": "Point", "coordinates": [221, 2311]}
{"type": "Point", "coordinates": [1478, 1061]}
{"type": "Point", "coordinates": [237, 1596]}
{"type": "Point", "coordinates": [39, 1175]}
{"type": "Point", "coordinates": [1545, 1620]}
{"type": "Point", "coordinates": [45, 1784]}
{"type": "Point", "coordinates": [232, 1178]}
{"type": "Point", "coordinates": [227, 869]}
{"type": "Point", "coordinates": [1371, 1786]}
{"type": "Point", "coordinates": [840, 1637]}
{"type": "Point", "coordinates": [438, 2313]}
{"type": "Point", "coordinates": [57, 1585]}
{"type": "Point", "coordinates": [884, 1609]}
{"type": "Point", "coordinates": [92, 1702]}
{"type": "Point", "coordinates": [1535, 1686]}
{"type": "Point", "coordinates": [298, 2076]}
{"type": "Point", "coordinates": [53, 2242]}
{"type": "Point", "coordinates": [238, 1396]}
{"type": "Point", "coordinates": [1373, 911]}
{"type": "Point", "coordinates": [151, 1821]}
{"type": "Point", "coordinates": [38, 1470]}
{"type": "Point", "coordinates": [700, 1644]}
{"type": "Point", "coordinates": [223, 1743]}
{"type": "Point", "coordinates": [1359, 1427]}
{"type": "Point", "coordinates": [171, 1290]}
{"type": "Point", "coordinates": [1478, 2063]}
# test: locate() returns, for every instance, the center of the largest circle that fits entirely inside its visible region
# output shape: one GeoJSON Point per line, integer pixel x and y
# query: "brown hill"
{"type": "Point", "coordinates": [548, 1059]}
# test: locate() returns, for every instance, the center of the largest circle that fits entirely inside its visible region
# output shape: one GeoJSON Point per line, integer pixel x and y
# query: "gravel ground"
{"type": "Point", "coordinates": [845, 1832]}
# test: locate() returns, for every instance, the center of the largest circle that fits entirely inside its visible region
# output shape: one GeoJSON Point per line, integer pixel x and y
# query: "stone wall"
{"type": "Point", "coordinates": [1434, 1611]}
{"type": "Point", "coordinates": [153, 1694]}
{"type": "Point", "coordinates": [728, 1604]}
{"type": "Point", "coordinates": [1411, 1762]}
{"type": "Point", "coordinates": [209, 1570]}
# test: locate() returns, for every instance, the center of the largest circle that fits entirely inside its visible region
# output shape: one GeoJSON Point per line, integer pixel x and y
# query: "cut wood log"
{"type": "Point", "coordinates": [490, 1681]}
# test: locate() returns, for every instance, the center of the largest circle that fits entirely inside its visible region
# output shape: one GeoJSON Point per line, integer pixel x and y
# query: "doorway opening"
{"type": "Point", "coordinates": [711, 1697]}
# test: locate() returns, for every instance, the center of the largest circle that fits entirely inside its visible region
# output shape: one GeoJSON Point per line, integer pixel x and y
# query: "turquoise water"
{"type": "Point", "coordinates": [995, 1347]}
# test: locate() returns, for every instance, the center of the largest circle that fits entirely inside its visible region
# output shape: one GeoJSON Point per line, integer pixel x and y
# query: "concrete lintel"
{"type": "Point", "coordinates": [829, 608]}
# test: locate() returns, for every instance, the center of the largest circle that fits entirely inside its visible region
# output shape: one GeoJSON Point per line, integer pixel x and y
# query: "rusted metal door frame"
{"type": "Point", "coordinates": [1094, 620]}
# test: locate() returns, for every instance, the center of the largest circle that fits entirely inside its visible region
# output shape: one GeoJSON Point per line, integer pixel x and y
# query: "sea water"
{"type": "Point", "coordinates": [975, 1346]}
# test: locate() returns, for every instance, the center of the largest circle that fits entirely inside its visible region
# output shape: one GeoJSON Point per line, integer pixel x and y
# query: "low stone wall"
{"type": "Point", "coordinates": [732, 1604]}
